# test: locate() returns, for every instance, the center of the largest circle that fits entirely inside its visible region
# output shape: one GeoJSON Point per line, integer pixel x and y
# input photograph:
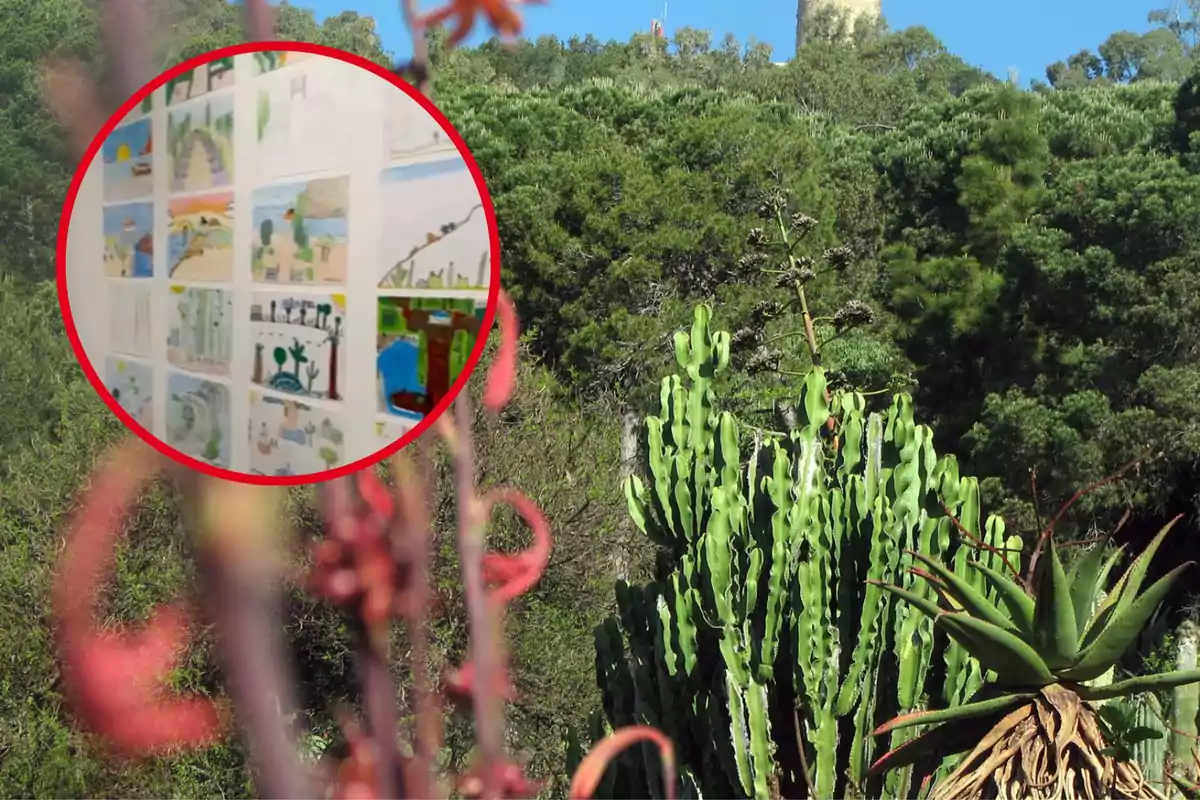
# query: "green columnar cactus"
{"type": "Point", "coordinates": [1151, 753]}
{"type": "Point", "coordinates": [1185, 700]}
{"type": "Point", "coordinates": [766, 603]}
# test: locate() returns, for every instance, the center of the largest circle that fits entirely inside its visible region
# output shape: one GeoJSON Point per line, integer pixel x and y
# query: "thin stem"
{"type": "Point", "coordinates": [379, 693]}
{"type": "Point", "coordinates": [413, 534]}
{"type": "Point", "coordinates": [418, 66]}
{"type": "Point", "coordinates": [782, 337]}
{"type": "Point", "coordinates": [379, 702]}
{"type": "Point", "coordinates": [127, 36]}
{"type": "Point", "coordinates": [809, 334]}
{"type": "Point", "coordinates": [812, 792]}
{"type": "Point", "coordinates": [1049, 529]}
{"type": "Point", "coordinates": [837, 336]}
{"type": "Point", "coordinates": [259, 20]}
{"type": "Point", "coordinates": [979, 544]}
{"type": "Point", "coordinates": [247, 618]}
{"type": "Point", "coordinates": [485, 643]}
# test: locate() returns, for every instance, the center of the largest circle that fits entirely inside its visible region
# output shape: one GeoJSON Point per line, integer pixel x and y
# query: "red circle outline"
{"type": "Point", "coordinates": [205, 467]}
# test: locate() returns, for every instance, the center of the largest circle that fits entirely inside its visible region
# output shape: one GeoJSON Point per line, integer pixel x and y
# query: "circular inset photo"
{"type": "Point", "coordinates": [278, 263]}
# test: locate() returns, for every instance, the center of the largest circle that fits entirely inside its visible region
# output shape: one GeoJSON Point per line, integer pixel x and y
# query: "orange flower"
{"type": "Point", "coordinates": [355, 563]}
{"type": "Point", "coordinates": [516, 574]}
{"type": "Point", "coordinates": [500, 15]}
{"type": "Point", "coordinates": [114, 680]}
{"type": "Point", "coordinates": [502, 377]}
{"type": "Point", "coordinates": [587, 777]}
{"type": "Point", "coordinates": [460, 683]}
{"type": "Point", "coordinates": [510, 777]}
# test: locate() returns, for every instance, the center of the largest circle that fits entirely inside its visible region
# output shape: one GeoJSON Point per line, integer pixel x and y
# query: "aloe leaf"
{"type": "Point", "coordinates": [1104, 612]}
{"type": "Point", "coordinates": [1142, 683]}
{"type": "Point", "coordinates": [1054, 613]}
{"type": "Point", "coordinates": [1131, 582]}
{"type": "Point", "coordinates": [1019, 604]}
{"type": "Point", "coordinates": [1084, 579]}
{"type": "Point", "coordinates": [966, 595]}
{"type": "Point", "coordinates": [995, 648]}
{"type": "Point", "coordinates": [1015, 662]}
{"type": "Point", "coordinates": [955, 713]}
{"type": "Point", "coordinates": [1112, 642]}
{"type": "Point", "coordinates": [1189, 790]}
{"type": "Point", "coordinates": [944, 740]}
{"type": "Point", "coordinates": [922, 604]}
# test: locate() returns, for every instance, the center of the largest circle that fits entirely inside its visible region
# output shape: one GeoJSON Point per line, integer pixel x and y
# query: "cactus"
{"type": "Point", "coordinates": [763, 605]}
{"type": "Point", "coordinates": [1150, 753]}
{"type": "Point", "coordinates": [1185, 700]}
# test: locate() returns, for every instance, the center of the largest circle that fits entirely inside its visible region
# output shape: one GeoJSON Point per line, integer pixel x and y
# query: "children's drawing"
{"type": "Point", "coordinates": [200, 237]}
{"type": "Point", "coordinates": [201, 330]}
{"type": "Point", "coordinates": [129, 319]}
{"type": "Point", "coordinates": [270, 60]}
{"type": "Point", "coordinates": [129, 241]}
{"type": "Point", "coordinates": [210, 77]}
{"type": "Point", "coordinates": [423, 346]}
{"type": "Point", "coordinates": [409, 130]}
{"type": "Point", "coordinates": [388, 431]}
{"type": "Point", "coordinates": [127, 162]}
{"type": "Point", "coordinates": [300, 232]}
{"type": "Point", "coordinates": [297, 343]}
{"type": "Point", "coordinates": [200, 140]}
{"type": "Point", "coordinates": [303, 123]}
{"type": "Point", "coordinates": [142, 109]}
{"type": "Point", "coordinates": [437, 234]}
{"type": "Point", "coordinates": [288, 437]}
{"type": "Point", "coordinates": [131, 384]}
{"type": "Point", "coordinates": [198, 418]}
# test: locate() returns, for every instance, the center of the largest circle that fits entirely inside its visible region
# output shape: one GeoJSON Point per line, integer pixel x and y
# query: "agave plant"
{"type": "Point", "coordinates": [1031, 729]}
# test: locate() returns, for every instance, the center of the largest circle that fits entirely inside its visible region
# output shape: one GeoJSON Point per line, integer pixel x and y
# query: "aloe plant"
{"type": "Point", "coordinates": [1042, 639]}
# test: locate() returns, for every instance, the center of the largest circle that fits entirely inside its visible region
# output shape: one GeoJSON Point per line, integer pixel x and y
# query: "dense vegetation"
{"type": "Point", "coordinates": [1030, 259]}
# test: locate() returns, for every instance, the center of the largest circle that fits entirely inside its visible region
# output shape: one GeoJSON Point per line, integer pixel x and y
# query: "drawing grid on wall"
{"type": "Point", "coordinates": [289, 437]}
{"type": "Point", "coordinates": [430, 264]}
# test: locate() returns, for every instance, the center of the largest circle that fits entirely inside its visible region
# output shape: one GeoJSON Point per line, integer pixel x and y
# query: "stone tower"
{"type": "Point", "coordinates": [852, 9]}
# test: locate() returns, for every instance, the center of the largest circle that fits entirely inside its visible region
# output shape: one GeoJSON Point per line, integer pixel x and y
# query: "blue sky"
{"type": "Point", "coordinates": [1025, 34]}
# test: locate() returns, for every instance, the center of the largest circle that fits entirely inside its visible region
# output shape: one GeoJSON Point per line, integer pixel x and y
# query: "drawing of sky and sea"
{"type": "Point", "coordinates": [275, 202]}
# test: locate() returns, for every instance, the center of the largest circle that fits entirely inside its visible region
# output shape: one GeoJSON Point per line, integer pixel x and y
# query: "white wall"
{"type": "Point", "coordinates": [364, 103]}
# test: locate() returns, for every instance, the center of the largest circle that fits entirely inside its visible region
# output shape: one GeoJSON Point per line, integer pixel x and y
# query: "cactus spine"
{"type": "Point", "coordinates": [765, 605]}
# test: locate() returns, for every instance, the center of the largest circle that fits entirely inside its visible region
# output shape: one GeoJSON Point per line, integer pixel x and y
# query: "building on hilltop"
{"type": "Point", "coordinates": [850, 9]}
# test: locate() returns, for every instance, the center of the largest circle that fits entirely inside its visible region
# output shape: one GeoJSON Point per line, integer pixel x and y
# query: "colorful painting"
{"type": "Point", "coordinates": [200, 141]}
{"type": "Point", "coordinates": [388, 431]}
{"type": "Point", "coordinates": [288, 437]}
{"type": "Point", "coordinates": [129, 241]}
{"type": "Point", "coordinates": [210, 77]}
{"type": "Point", "coordinates": [423, 346]}
{"type": "Point", "coordinates": [301, 123]}
{"type": "Point", "coordinates": [129, 330]}
{"type": "Point", "coordinates": [410, 131]}
{"type": "Point", "coordinates": [201, 329]}
{"type": "Point", "coordinates": [270, 60]}
{"type": "Point", "coordinates": [200, 237]}
{"type": "Point", "coordinates": [131, 383]}
{"type": "Point", "coordinates": [300, 232]}
{"type": "Point", "coordinates": [437, 234]}
{"type": "Point", "coordinates": [128, 170]}
{"type": "Point", "coordinates": [297, 343]}
{"type": "Point", "coordinates": [198, 418]}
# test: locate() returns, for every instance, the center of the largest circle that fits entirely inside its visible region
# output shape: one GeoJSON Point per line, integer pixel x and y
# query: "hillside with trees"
{"type": "Point", "coordinates": [1017, 269]}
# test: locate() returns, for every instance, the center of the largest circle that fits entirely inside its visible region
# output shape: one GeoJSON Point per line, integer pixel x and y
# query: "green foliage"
{"type": "Point", "coordinates": [35, 165]}
{"type": "Point", "coordinates": [769, 592]}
